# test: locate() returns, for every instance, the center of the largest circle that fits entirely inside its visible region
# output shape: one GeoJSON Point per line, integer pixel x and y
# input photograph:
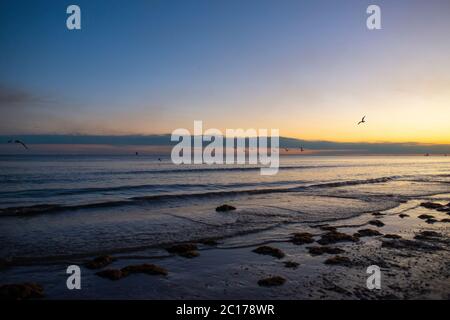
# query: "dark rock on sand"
{"type": "Point", "coordinates": [224, 208]}
{"type": "Point", "coordinates": [317, 251]}
{"type": "Point", "coordinates": [431, 221]}
{"type": "Point", "coordinates": [111, 274]}
{"type": "Point", "coordinates": [339, 260]}
{"type": "Point", "coordinates": [208, 242]}
{"type": "Point", "coordinates": [376, 223]}
{"type": "Point", "coordinates": [431, 233]}
{"type": "Point", "coordinates": [21, 291]}
{"type": "Point", "coordinates": [392, 236]}
{"type": "Point", "coordinates": [425, 216]}
{"type": "Point", "coordinates": [291, 264]}
{"type": "Point", "coordinates": [328, 228]}
{"type": "Point", "coordinates": [428, 235]}
{"type": "Point", "coordinates": [302, 238]}
{"type": "Point", "coordinates": [378, 214]}
{"type": "Point", "coordinates": [271, 251]}
{"type": "Point", "coordinates": [445, 220]}
{"type": "Point", "coordinates": [334, 237]}
{"type": "Point", "coordinates": [367, 233]}
{"type": "Point", "coordinates": [402, 215]}
{"type": "Point", "coordinates": [116, 274]}
{"type": "Point", "coordinates": [410, 244]}
{"type": "Point", "coordinates": [272, 281]}
{"type": "Point", "coordinates": [187, 250]}
{"type": "Point", "coordinates": [99, 262]}
{"type": "Point", "coordinates": [431, 205]}
{"type": "Point", "coordinates": [144, 268]}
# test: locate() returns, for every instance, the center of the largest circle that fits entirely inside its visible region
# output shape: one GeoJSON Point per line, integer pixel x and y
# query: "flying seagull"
{"type": "Point", "coordinates": [362, 120]}
{"type": "Point", "coordinates": [19, 142]}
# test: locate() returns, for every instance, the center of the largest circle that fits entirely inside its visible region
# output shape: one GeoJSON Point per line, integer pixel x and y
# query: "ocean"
{"type": "Point", "coordinates": [56, 207]}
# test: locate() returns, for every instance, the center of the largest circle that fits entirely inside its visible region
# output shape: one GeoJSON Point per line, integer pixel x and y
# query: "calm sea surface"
{"type": "Point", "coordinates": [77, 205]}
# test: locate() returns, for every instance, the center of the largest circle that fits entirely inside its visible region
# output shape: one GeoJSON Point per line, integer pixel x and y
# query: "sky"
{"type": "Point", "coordinates": [308, 68]}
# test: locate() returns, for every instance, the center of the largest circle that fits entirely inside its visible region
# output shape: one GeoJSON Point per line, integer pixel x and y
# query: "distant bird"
{"type": "Point", "coordinates": [286, 149]}
{"type": "Point", "coordinates": [362, 120]}
{"type": "Point", "coordinates": [137, 153]}
{"type": "Point", "coordinates": [159, 159]}
{"type": "Point", "coordinates": [301, 149]}
{"type": "Point", "coordinates": [427, 154]}
{"type": "Point", "coordinates": [19, 142]}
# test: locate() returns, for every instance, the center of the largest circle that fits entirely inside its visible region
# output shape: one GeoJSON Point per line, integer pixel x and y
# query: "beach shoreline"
{"type": "Point", "coordinates": [414, 266]}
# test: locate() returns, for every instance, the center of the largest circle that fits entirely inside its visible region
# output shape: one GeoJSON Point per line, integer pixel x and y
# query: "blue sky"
{"type": "Point", "coordinates": [310, 68]}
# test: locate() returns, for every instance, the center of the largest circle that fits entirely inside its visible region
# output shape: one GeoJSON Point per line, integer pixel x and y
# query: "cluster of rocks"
{"type": "Point", "coordinates": [376, 223]}
{"type": "Point", "coordinates": [271, 251]}
{"type": "Point", "coordinates": [225, 208]}
{"type": "Point", "coordinates": [302, 238]}
{"type": "Point", "coordinates": [335, 237]}
{"type": "Point", "coordinates": [367, 233]}
{"type": "Point", "coordinates": [100, 262]}
{"type": "Point", "coordinates": [330, 237]}
{"type": "Point", "coordinates": [187, 250]}
{"type": "Point", "coordinates": [317, 251]}
{"type": "Point", "coordinates": [439, 207]}
{"type": "Point", "coordinates": [436, 206]}
{"type": "Point", "coordinates": [422, 241]}
{"type": "Point", "coordinates": [427, 241]}
{"type": "Point", "coordinates": [272, 281]}
{"type": "Point", "coordinates": [21, 291]}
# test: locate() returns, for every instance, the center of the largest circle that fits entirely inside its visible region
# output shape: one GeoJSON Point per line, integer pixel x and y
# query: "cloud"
{"type": "Point", "coordinates": [96, 144]}
{"type": "Point", "coordinates": [27, 112]}
{"type": "Point", "coordinates": [13, 98]}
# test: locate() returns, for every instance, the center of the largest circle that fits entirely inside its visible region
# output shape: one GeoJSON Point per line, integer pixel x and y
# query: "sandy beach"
{"type": "Point", "coordinates": [301, 261]}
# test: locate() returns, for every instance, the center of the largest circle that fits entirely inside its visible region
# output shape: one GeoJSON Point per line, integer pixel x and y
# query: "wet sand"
{"type": "Point", "coordinates": [411, 245]}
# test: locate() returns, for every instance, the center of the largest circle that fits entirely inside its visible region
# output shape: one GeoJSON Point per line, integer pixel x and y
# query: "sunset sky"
{"type": "Point", "coordinates": [309, 68]}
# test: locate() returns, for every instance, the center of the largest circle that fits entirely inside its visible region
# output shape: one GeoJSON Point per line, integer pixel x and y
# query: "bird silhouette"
{"type": "Point", "coordinates": [362, 120]}
{"type": "Point", "coordinates": [19, 142]}
{"type": "Point", "coordinates": [301, 149]}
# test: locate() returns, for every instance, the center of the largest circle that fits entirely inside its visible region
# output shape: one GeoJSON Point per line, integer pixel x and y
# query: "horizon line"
{"type": "Point", "coordinates": [39, 137]}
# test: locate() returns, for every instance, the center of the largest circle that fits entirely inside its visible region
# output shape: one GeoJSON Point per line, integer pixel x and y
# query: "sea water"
{"type": "Point", "coordinates": [63, 206]}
